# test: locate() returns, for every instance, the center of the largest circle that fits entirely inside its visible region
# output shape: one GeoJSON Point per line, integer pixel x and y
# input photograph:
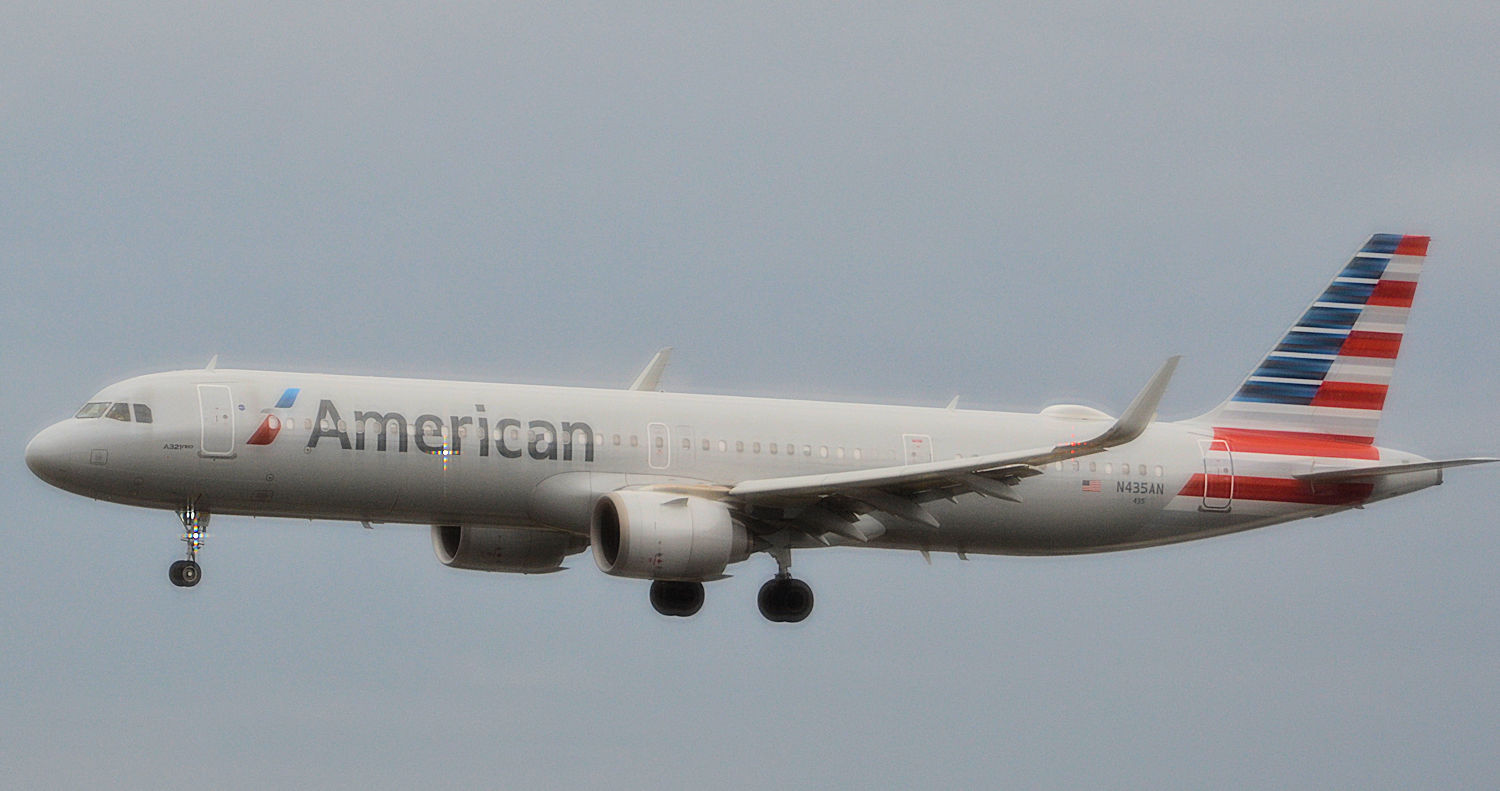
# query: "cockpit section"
{"type": "Point", "coordinates": [114, 410]}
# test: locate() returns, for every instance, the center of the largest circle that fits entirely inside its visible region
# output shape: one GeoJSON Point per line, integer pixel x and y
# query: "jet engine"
{"type": "Point", "coordinates": [663, 536]}
{"type": "Point", "coordinates": [520, 550]}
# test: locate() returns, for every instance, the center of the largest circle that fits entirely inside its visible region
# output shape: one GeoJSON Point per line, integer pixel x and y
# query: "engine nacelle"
{"type": "Point", "coordinates": [658, 535]}
{"type": "Point", "coordinates": [520, 550]}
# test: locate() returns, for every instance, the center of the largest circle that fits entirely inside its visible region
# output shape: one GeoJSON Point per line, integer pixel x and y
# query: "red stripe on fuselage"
{"type": "Point", "coordinates": [1351, 395]}
{"type": "Point", "coordinates": [1298, 443]}
{"type": "Point", "coordinates": [1393, 293]}
{"type": "Point", "coordinates": [1382, 345]}
{"type": "Point", "coordinates": [1282, 490]}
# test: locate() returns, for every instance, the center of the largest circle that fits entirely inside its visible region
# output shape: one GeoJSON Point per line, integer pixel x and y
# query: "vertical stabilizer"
{"type": "Point", "coordinates": [1328, 377]}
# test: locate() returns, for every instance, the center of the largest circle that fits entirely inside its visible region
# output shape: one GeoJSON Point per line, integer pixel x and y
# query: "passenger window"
{"type": "Point", "coordinates": [723, 446]}
{"type": "Point", "coordinates": [1093, 466]}
{"type": "Point", "coordinates": [1141, 469]}
{"type": "Point", "coordinates": [1109, 468]}
{"type": "Point", "coordinates": [839, 453]}
{"type": "Point", "coordinates": [823, 452]}
{"type": "Point", "coordinates": [755, 447]}
{"type": "Point", "coordinates": [772, 447]}
{"type": "Point", "coordinates": [119, 412]}
{"type": "Point", "coordinates": [92, 409]}
{"type": "Point", "coordinates": [739, 446]}
{"type": "Point", "coordinates": [1159, 471]}
{"type": "Point", "coordinates": [615, 440]}
{"type": "Point", "coordinates": [806, 450]}
{"type": "Point", "coordinates": [858, 454]}
{"type": "Point", "coordinates": [687, 444]}
{"type": "Point", "coordinates": [1125, 469]}
{"type": "Point", "coordinates": [706, 445]}
{"type": "Point", "coordinates": [1075, 465]}
{"type": "Point", "coordinates": [635, 441]}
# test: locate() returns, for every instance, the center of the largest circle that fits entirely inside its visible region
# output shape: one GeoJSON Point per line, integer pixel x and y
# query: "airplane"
{"type": "Point", "coordinates": [676, 487]}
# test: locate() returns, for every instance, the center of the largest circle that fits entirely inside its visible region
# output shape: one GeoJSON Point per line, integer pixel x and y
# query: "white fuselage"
{"type": "Point", "coordinates": [520, 455]}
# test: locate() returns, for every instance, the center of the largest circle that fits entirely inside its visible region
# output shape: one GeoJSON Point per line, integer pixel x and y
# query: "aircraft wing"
{"type": "Point", "coordinates": [1380, 471]}
{"type": "Point", "coordinates": [837, 499]}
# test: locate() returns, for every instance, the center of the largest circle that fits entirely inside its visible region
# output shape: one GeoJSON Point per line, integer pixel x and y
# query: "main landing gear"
{"type": "Point", "coordinates": [187, 573]}
{"type": "Point", "coordinates": [784, 599]}
{"type": "Point", "coordinates": [679, 599]}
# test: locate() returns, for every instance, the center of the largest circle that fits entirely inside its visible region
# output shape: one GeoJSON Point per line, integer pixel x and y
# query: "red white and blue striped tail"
{"type": "Point", "coordinates": [1327, 379]}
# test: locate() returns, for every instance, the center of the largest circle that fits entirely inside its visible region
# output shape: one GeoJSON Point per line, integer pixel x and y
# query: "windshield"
{"type": "Point", "coordinates": [92, 409]}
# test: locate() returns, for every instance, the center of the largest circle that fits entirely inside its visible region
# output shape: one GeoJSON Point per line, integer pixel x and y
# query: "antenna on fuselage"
{"type": "Point", "coordinates": [213, 362]}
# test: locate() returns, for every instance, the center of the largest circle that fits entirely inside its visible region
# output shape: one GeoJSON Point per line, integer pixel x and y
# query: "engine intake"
{"type": "Point", "coordinates": [663, 536]}
{"type": "Point", "coordinates": [520, 550]}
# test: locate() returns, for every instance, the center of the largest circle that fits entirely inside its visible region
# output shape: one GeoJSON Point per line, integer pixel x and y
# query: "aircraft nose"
{"type": "Point", "coordinates": [47, 455]}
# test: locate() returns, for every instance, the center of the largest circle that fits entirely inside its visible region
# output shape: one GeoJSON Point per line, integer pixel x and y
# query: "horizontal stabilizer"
{"type": "Point", "coordinates": [1380, 471]}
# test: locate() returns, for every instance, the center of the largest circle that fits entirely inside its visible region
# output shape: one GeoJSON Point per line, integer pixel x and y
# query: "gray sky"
{"type": "Point", "coordinates": [1020, 203]}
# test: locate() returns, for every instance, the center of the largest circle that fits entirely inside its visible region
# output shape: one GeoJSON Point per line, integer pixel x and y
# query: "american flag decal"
{"type": "Point", "coordinates": [1096, 486]}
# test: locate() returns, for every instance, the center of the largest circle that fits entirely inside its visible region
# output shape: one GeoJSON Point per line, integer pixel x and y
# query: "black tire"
{"type": "Point", "coordinates": [690, 599]}
{"type": "Point", "coordinates": [769, 600]}
{"type": "Point", "coordinates": [785, 600]}
{"type": "Point", "coordinates": [677, 599]}
{"type": "Point", "coordinates": [185, 573]}
{"type": "Point", "coordinates": [796, 601]}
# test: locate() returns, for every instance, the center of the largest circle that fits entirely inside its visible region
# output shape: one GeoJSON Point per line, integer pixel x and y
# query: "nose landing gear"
{"type": "Point", "coordinates": [187, 573]}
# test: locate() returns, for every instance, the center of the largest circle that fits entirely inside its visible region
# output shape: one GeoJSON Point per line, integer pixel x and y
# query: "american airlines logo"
{"type": "Point", "coordinates": [432, 434]}
{"type": "Point", "coordinates": [270, 425]}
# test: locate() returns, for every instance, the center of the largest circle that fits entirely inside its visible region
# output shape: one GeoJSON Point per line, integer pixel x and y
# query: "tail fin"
{"type": "Point", "coordinates": [1327, 378]}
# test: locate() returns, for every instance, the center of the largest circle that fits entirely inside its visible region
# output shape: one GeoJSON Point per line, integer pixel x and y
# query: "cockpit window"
{"type": "Point", "coordinates": [92, 409]}
{"type": "Point", "coordinates": [119, 411]}
{"type": "Point", "coordinates": [142, 413]}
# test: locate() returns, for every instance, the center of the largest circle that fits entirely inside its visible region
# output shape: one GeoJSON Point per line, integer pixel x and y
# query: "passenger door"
{"type": "Point", "coordinates": [216, 409]}
{"type": "Point", "coordinates": [1218, 475]}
